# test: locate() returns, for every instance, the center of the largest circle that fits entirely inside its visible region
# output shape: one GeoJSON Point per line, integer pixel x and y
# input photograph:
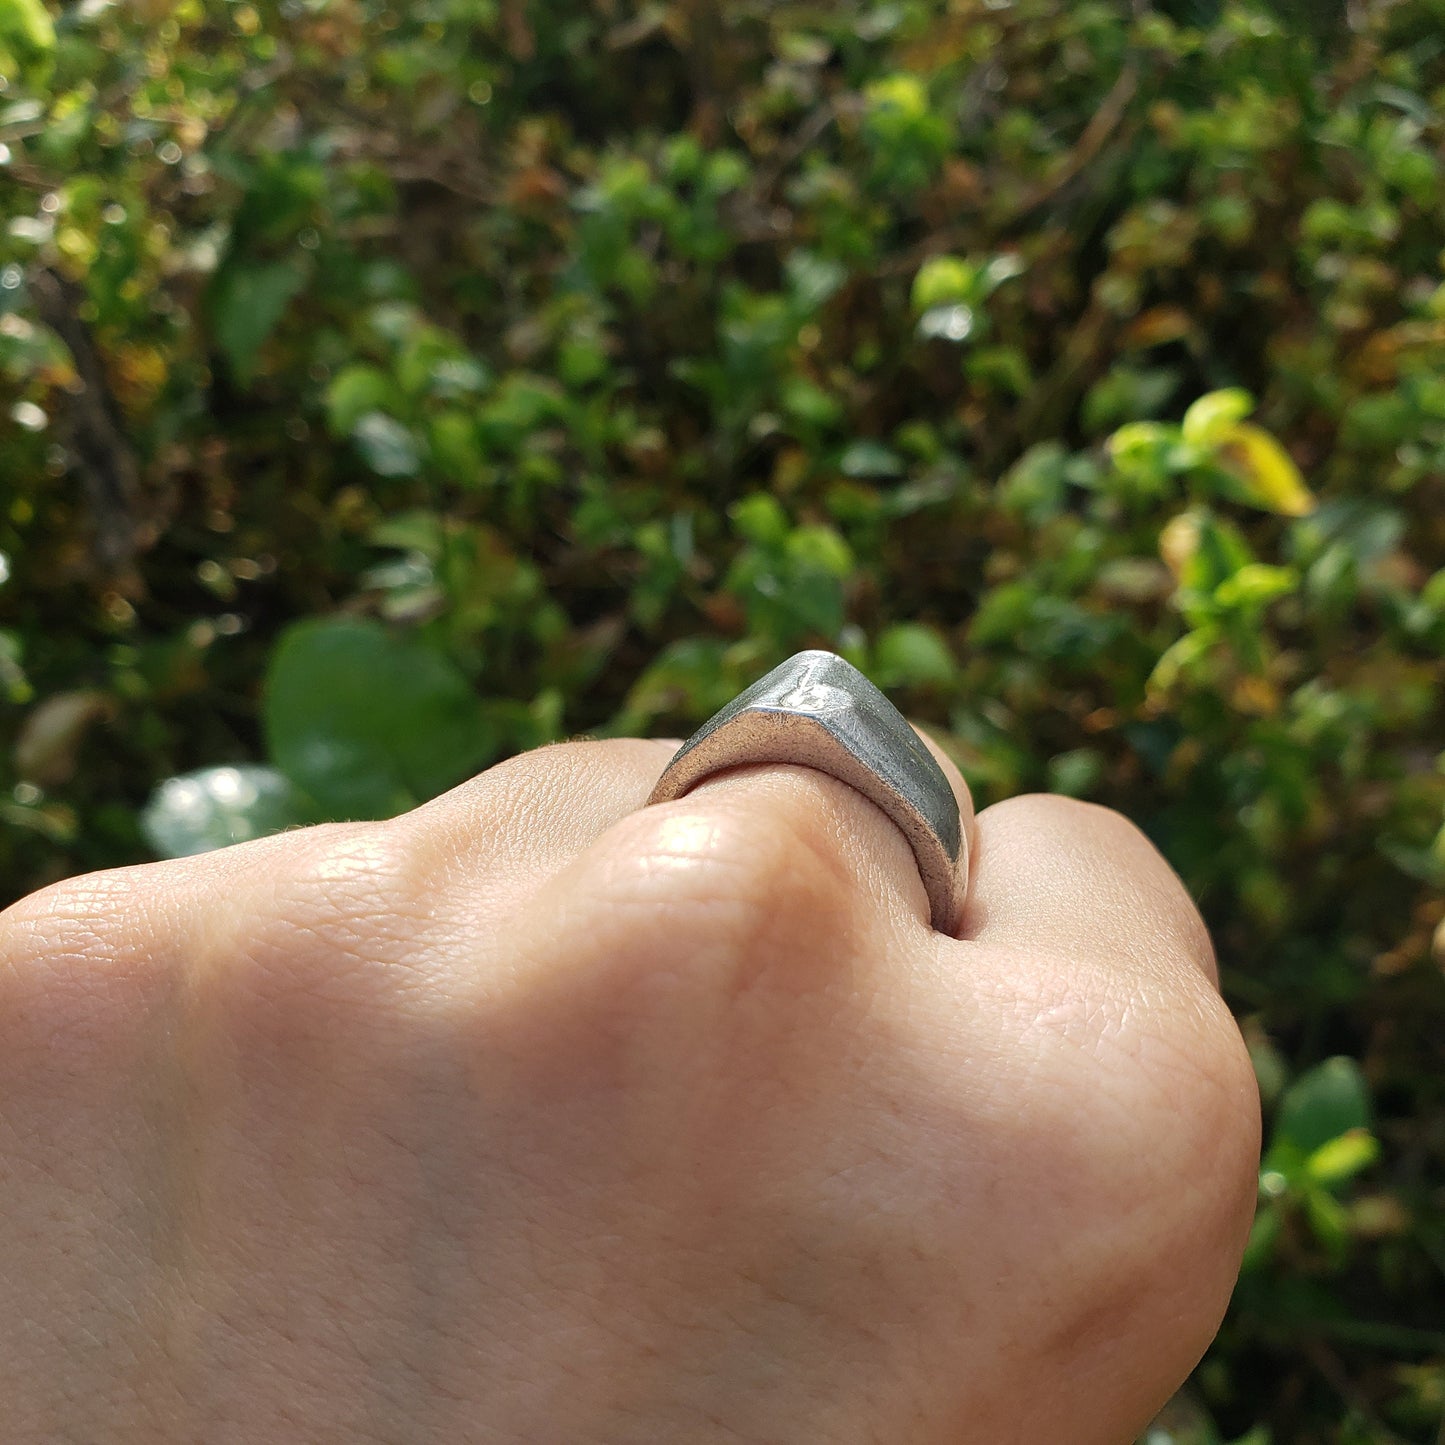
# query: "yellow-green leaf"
{"type": "Point", "coordinates": [906, 94]}
{"type": "Point", "coordinates": [1178, 659]}
{"type": "Point", "coordinates": [1271, 479]}
{"type": "Point", "coordinates": [1214, 415]}
{"type": "Point", "coordinates": [1343, 1157]}
{"type": "Point", "coordinates": [27, 23]}
{"type": "Point", "coordinates": [945, 281]}
{"type": "Point", "coordinates": [1138, 440]}
{"type": "Point", "coordinates": [1256, 585]}
{"type": "Point", "coordinates": [1179, 542]}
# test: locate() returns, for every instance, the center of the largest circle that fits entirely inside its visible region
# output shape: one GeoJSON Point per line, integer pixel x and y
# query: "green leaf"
{"type": "Point", "coordinates": [1320, 1106]}
{"type": "Point", "coordinates": [355, 391]}
{"type": "Point", "coordinates": [1179, 660]}
{"type": "Point", "coordinates": [1264, 1234]}
{"type": "Point", "coordinates": [1076, 774]}
{"type": "Point", "coordinates": [1328, 1220]}
{"type": "Point", "coordinates": [760, 518]}
{"type": "Point", "coordinates": [247, 302]}
{"type": "Point", "coordinates": [868, 458]}
{"type": "Point", "coordinates": [1139, 443]}
{"type": "Point", "coordinates": [691, 678]}
{"type": "Point", "coordinates": [946, 281]}
{"type": "Point", "coordinates": [813, 280]}
{"type": "Point", "coordinates": [387, 447]}
{"type": "Point", "coordinates": [26, 24]}
{"type": "Point", "coordinates": [215, 807]}
{"type": "Point", "coordinates": [454, 448]}
{"type": "Point", "coordinates": [903, 95]}
{"type": "Point", "coordinates": [910, 654]}
{"type": "Point", "coordinates": [819, 549]}
{"type": "Point", "coordinates": [1342, 1158]}
{"type": "Point", "coordinates": [1213, 415]}
{"type": "Point", "coordinates": [1267, 472]}
{"type": "Point", "coordinates": [369, 723]}
{"type": "Point", "coordinates": [1255, 585]}
{"type": "Point", "coordinates": [418, 530]}
{"type": "Point", "coordinates": [810, 405]}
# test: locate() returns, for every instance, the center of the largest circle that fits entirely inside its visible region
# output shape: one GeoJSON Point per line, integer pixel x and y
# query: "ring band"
{"type": "Point", "coordinates": [818, 710]}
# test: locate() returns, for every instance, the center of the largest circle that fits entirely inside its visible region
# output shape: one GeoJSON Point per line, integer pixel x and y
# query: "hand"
{"type": "Point", "coordinates": [538, 1116]}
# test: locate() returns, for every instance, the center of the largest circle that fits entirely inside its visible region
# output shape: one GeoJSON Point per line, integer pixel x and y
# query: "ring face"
{"type": "Point", "coordinates": [819, 711]}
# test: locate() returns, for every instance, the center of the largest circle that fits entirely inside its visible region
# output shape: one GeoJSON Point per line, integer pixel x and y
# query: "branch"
{"type": "Point", "coordinates": [95, 430]}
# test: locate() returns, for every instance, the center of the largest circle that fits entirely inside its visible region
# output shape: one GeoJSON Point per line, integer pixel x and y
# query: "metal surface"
{"type": "Point", "coordinates": [819, 711]}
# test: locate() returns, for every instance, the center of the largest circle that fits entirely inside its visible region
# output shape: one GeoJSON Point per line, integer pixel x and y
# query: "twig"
{"type": "Point", "coordinates": [1328, 1364]}
{"type": "Point", "coordinates": [102, 452]}
{"type": "Point", "coordinates": [1101, 127]}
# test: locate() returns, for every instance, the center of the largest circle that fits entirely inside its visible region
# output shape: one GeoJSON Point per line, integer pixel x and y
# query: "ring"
{"type": "Point", "coordinates": [819, 711]}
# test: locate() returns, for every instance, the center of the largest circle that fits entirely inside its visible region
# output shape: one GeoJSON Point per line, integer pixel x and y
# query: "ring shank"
{"type": "Point", "coordinates": [818, 711]}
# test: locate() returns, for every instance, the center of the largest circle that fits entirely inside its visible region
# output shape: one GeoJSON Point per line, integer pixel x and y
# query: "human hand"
{"type": "Point", "coordinates": [535, 1115]}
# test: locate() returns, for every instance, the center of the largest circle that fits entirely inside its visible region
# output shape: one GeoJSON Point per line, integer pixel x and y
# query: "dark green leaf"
{"type": "Point", "coordinates": [369, 723]}
{"type": "Point", "coordinates": [247, 302]}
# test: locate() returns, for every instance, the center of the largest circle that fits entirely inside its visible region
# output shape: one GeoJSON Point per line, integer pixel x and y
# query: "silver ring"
{"type": "Point", "coordinates": [819, 711]}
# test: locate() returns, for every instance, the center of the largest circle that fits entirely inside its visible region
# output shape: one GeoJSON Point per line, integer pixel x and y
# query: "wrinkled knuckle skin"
{"type": "Point", "coordinates": [1186, 1117]}
{"type": "Point", "coordinates": [326, 922]}
{"type": "Point", "coordinates": [86, 962]}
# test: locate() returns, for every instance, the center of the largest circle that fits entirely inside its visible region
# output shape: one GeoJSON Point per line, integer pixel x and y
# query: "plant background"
{"type": "Point", "coordinates": [385, 388]}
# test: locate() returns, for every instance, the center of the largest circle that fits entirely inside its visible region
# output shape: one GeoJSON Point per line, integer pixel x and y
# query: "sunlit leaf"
{"type": "Point", "coordinates": [1255, 585]}
{"type": "Point", "coordinates": [1214, 415]}
{"type": "Point", "coordinates": [761, 519]}
{"type": "Point", "coordinates": [215, 807]}
{"type": "Point", "coordinates": [1270, 478]}
{"type": "Point", "coordinates": [902, 94]}
{"type": "Point", "coordinates": [388, 447]}
{"type": "Point", "coordinates": [945, 281]}
{"type": "Point", "coordinates": [1343, 1157]}
{"type": "Point", "coordinates": [26, 25]}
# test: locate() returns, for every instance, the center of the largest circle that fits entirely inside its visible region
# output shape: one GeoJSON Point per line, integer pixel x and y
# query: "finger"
{"type": "Point", "coordinates": [826, 821]}
{"type": "Point", "coordinates": [534, 812]}
{"type": "Point", "coordinates": [1080, 1019]}
{"type": "Point", "coordinates": [1071, 877]}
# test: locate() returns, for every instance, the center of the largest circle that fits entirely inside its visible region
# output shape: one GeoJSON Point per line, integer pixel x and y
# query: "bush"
{"type": "Point", "coordinates": [1075, 369]}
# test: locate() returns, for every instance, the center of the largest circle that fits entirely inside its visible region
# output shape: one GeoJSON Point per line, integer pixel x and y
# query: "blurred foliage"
{"type": "Point", "coordinates": [390, 388]}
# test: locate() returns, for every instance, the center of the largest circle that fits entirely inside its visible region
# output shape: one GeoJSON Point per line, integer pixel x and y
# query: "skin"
{"type": "Point", "coordinates": [535, 1115]}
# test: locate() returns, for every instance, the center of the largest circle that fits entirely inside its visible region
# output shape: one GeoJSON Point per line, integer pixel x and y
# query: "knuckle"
{"type": "Point", "coordinates": [1180, 1121]}
{"type": "Point", "coordinates": [756, 879]}
{"type": "Point", "coordinates": [1141, 1095]}
{"type": "Point", "coordinates": [326, 944]}
{"type": "Point", "coordinates": [1179, 1144]}
{"type": "Point", "coordinates": [1124, 864]}
{"type": "Point", "coordinates": [1153, 1175]}
{"type": "Point", "coordinates": [1071, 815]}
{"type": "Point", "coordinates": [85, 962]}
{"type": "Point", "coordinates": [692, 901]}
{"type": "Point", "coordinates": [530, 802]}
{"type": "Point", "coordinates": [687, 943]}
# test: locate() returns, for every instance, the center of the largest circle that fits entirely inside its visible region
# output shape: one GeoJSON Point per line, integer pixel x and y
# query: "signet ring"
{"type": "Point", "coordinates": [817, 710]}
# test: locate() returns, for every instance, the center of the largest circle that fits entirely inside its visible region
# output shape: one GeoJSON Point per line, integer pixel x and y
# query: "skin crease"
{"type": "Point", "coordinates": [537, 1115]}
